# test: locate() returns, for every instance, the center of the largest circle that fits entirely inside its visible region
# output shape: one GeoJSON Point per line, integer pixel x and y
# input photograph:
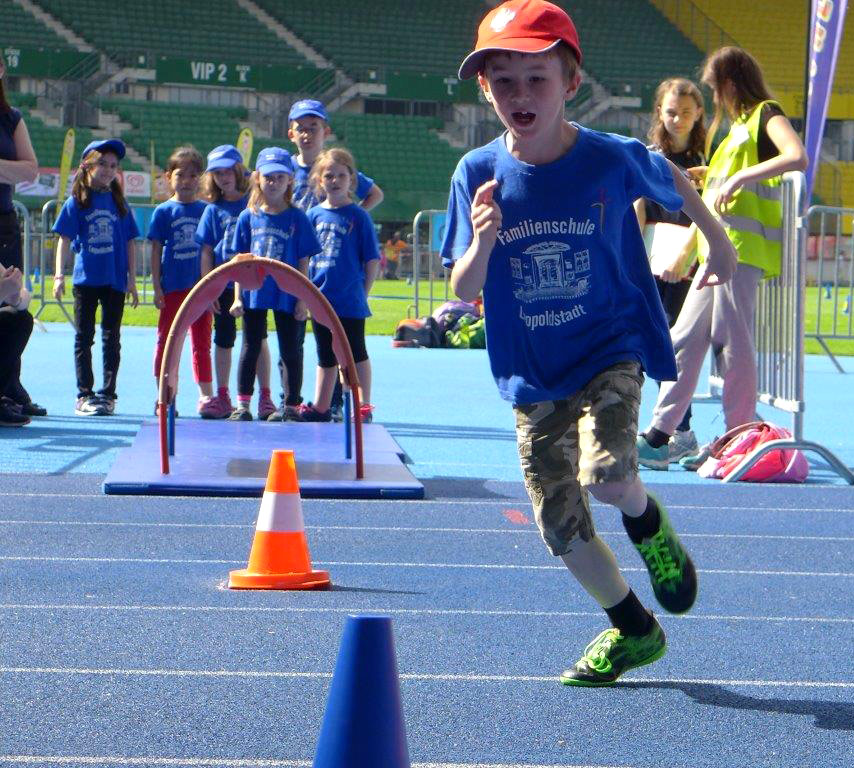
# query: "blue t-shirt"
{"type": "Point", "coordinates": [568, 289]}
{"type": "Point", "coordinates": [349, 240]}
{"type": "Point", "coordinates": [8, 124]}
{"type": "Point", "coordinates": [287, 237]}
{"type": "Point", "coordinates": [174, 225]}
{"type": "Point", "coordinates": [216, 227]}
{"type": "Point", "coordinates": [99, 238]}
{"type": "Point", "coordinates": [304, 197]}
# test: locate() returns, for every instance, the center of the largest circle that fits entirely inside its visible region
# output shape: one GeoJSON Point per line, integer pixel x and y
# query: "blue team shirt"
{"type": "Point", "coordinates": [349, 241]}
{"type": "Point", "coordinates": [304, 197]}
{"type": "Point", "coordinates": [568, 289]}
{"type": "Point", "coordinates": [217, 225]}
{"type": "Point", "coordinates": [174, 224]}
{"type": "Point", "coordinates": [99, 238]}
{"type": "Point", "coordinates": [287, 237]}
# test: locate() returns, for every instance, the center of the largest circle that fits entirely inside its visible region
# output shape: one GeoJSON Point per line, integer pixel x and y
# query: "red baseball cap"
{"type": "Point", "coordinates": [522, 26]}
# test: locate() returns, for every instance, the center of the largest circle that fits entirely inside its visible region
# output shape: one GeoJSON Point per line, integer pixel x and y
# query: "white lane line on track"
{"type": "Point", "coordinates": [379, 564]}
{"type": "Point", "coordinates": [239, 762]}
{"type": "Point", "coordinates": [510, 501]}
{"type": "Point", "coordinates": [401, 612]}
{"type": "Point", "coordinates": [518, 529]}
{"type": "Point", "coordinates": [407, 676]}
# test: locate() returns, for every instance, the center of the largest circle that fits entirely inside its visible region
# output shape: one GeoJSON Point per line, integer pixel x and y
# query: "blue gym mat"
{"type": "Point", "coordinates": [228, 458]}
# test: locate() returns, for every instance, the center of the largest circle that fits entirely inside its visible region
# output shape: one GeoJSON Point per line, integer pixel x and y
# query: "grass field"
{"type": "Point", "coordinates": [392, 300]}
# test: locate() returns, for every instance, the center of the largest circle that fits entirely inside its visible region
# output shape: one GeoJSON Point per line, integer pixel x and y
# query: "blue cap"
{"type": "Point", "coordinates": [223, 156]}
{"type": "Point", "coordinates": [274, 160]}
{"type": "Point", "coordinates": [116, 146]}
{"type": "Point", "coordinates": [306, 108]}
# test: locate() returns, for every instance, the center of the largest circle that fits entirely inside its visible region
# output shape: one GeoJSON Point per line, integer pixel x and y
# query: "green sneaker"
{"type": "Point", "coordinates": [673, 577]}
{"type": "Point", "coordinates": [612, 653]}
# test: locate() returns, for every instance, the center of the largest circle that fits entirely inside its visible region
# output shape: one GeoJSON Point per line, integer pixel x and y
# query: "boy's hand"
{"type": "Point", "coordinates": [132, 295]}
{"type": "Point", "coordinates": [236, 308]}
{"type": "Point", "coordinates": [485, 214]}
{"type": "Point", "coordinates": [720, 264]}
{"type": "Point", "coordinates": [300, 310]}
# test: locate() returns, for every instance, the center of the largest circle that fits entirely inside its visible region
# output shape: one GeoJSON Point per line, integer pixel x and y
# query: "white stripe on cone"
{"type": "Point", "coordinates": [280, 513]}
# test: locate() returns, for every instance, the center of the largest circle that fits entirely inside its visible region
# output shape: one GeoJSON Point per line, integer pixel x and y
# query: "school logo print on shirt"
{"type": "Point", "coordinates": [550, 270]}
{"type": "Point", "coordinates": [184, 238]}
{"type": "Point", "coordinates": [269, 247]}
{"type": "Point", "coordinates": [100, 231]}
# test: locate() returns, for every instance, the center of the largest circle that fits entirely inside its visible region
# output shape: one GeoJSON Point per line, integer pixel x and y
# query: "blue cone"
{"type": "Point", "coordinates": [363, 726]}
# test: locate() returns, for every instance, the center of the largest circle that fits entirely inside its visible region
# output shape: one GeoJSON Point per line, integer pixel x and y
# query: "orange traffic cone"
{"type": "Point", "coordinates": [279, 558]}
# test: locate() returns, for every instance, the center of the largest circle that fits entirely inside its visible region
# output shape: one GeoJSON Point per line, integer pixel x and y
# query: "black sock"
{"type": "Point", "coordinates": [656, 438]}
{"type": "Point", "coordinates": [640, 528]}
{"type": "Point", "coordinates": [629, 616]}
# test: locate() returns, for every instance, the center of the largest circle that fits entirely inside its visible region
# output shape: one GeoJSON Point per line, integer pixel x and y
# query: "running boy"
{"type": "Point", "coordinates": [541, 220]}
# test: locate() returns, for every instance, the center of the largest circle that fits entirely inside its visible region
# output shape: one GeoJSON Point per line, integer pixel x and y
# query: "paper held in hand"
{"type": "Point", "coordinates": [664, 242]}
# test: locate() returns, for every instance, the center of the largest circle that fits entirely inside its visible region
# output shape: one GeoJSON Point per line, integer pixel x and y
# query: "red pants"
{"type": "Point", "coordinates": [200, 337]}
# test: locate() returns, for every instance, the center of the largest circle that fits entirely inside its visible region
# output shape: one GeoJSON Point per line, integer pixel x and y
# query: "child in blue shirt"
{"type": "Point", "coordinates": [271, 227]}
{"type": "Point", "coordinates": [344, 272]}
{"type": "Point", "coordinates": [308, 129]}
{"type": "Point", "coordinates": [176, 267]}
{"type": "Point", "coordinates": [226, 187]}
{"type": "Point", "coordinates": [541, 220]}
{"type": "Point", "coordinates": [97, 225]}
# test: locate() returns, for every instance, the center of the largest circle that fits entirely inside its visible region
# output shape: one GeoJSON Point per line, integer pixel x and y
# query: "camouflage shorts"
{"type": "Point", "coordinates": [587, 438]}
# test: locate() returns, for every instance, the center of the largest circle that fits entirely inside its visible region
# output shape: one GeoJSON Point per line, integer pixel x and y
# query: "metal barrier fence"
{"type": "Point", "coordinates": [425, 258]}
{"type": "Point", "coordinates": [830, 261]}
{"type": "Point", "coordinates": [39, 248]}
{"type": "Point", "coordinates": [780, 321]}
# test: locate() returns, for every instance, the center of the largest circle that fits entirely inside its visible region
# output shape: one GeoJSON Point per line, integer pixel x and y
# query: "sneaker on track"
{"type": "Point", "coordinates": [211, 408]}
{"type": "Point", "coordinates": [682, 443]}
{"type": "Point", "coordinates": [671, 572]}
{"type": "Point", "coordinates": [613, 653]}
{"type": "Point", "coordinates": [693, 463]}
{"type": "Point", "coordinates": [106, 405]}
{"type": "Point", "coordinates": [310, 413]}
{"type": "Point", "coordinates": [266, 408]}
{"type": "Point", "coordinates": [87, 405]}
{"type": "Point", "coordinates": [241, 413]}
{"type": "Point", "coordinates": [10, 416]}
{"type": "Point", "coordinates": [367, 412]}
{"type": "Point", "coordinates": [652, 458]}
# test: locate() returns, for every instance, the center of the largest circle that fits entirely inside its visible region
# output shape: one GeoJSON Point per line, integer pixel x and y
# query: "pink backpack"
{"type": "Point", "coordinates": [782, 465]}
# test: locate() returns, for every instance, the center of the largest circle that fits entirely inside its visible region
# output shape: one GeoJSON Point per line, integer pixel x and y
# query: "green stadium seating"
{"type": "Point", "coordinates": [172, 125]}
{"type": "Point", "coordinates": [22, 29]}
{"type": "Point", "coordinates": [128, 32]}
{"type": "Point", "coordinates": [362, 35]}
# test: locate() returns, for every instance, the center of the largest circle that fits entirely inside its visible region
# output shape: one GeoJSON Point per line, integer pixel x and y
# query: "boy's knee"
{"type": "Point", "coordinates": [613, 492]}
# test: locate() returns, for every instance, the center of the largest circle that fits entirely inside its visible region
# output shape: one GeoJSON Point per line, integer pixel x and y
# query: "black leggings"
{"type": "Point", "coordinates": [225, 324]}
{"type": "Point", "coordinates": [291, 335]}
{"type": "Point", "coordinates": [354, 328]}
{"type": "Point", "coordinates": [86, 300]}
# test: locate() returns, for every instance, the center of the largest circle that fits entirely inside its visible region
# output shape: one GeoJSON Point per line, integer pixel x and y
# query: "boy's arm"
{"type": "Point", "coordinates": [63, 248]}
{"type": "Point", "coordinates": [469, 272]}
{"type": "Point", "coordinates": [131, 286]}
{"type": "Point", "coordinates": [373, 198]}
{"type": "Point", "coordinates": [722, 259]}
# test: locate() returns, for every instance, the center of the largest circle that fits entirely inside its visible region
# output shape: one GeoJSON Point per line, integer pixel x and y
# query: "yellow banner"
{"type": "Point", "coordinates": [65, 163]}
{"type": "Point", "coordinates": [244, 145]}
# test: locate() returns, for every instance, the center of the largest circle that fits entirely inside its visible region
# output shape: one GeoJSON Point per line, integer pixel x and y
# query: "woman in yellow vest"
{"type": "Point", "coordinates": [742, 186]}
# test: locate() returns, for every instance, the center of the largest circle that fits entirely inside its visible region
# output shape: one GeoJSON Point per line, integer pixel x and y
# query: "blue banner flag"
{"type": "Point", "coordinates": [826, 22]}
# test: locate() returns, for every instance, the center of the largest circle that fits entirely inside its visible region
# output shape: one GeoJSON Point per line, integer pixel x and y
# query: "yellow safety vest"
{"type": "Point", "coordinates": [753, 219]}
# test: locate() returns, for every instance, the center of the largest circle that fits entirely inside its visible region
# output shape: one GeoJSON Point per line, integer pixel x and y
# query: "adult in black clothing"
{"type": "Point", "coordinates": [15, 329]}
{"type": "Point", "coordinates": [17, 163]}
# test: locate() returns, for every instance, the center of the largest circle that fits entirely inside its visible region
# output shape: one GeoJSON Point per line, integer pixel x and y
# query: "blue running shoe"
{"type": "Point", "coordinates": [653, 458]}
